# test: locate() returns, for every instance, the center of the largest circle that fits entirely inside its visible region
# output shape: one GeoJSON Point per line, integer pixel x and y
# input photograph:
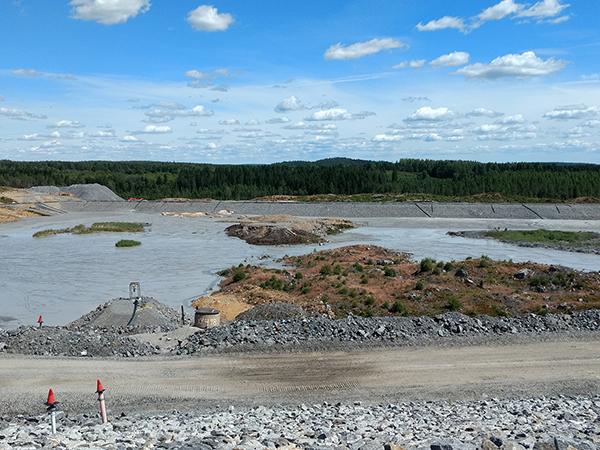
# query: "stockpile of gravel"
{"type": "Point", "coordinates": [59, 341]}
{"type": "Point", "coordinates": [273, 311]}
{"type": "Point", "coordinates": [488, 424]}
{"type": "Point", "coordinates": [151, 316]}
{"type": "Point", "coordinates": [89, 192]}
{"type": "Point", "coordinates": [315, 333]}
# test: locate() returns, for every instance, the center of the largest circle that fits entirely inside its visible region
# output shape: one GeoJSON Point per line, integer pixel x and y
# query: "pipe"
{"type": "Point", "coordinates": [135, 305]}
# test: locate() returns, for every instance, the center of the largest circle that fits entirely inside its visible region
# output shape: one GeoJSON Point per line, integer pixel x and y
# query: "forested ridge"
{"type": "Point", "coordinates": [155, 180]}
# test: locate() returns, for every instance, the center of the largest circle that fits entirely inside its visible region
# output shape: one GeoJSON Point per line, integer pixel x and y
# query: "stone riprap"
{"type": "Point", "coordinates": [322, 333]}
{"type": "Point", "coordinates": [543, 423]}
{"type": "Point", "coordinates": [344, 210]}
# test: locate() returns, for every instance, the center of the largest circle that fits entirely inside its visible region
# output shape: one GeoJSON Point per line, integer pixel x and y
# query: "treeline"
{"type": "Point", "coordinates": [155, 180]}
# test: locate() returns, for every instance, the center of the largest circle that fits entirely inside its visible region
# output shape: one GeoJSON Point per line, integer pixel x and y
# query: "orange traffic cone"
{"type": "Point", "coordinates": [51, 401]}
{"type": "Point", "coordinates": [40, 321]}
{"type": "Point", "coordinates": [100, 388]}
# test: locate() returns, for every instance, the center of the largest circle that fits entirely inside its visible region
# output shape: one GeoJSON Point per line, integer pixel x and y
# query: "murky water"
{"type": "Point", "coordinates": [65, 276]}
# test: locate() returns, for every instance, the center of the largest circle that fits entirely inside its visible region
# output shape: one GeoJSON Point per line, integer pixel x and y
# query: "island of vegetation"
{"type": "Point", "coordinates": [127, 243]}
{"type": "Point", "coordinates": [573, 241]}
{"type": "Point", "coordinates": [374, 281]}
{"type": "Point", "coordinates": [99, 227]}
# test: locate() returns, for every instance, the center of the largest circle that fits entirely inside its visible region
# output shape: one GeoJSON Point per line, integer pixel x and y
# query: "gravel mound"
{"type": "Point", "coordinates": [151, 316]}
{"type": "Point", "coordinates": [322, 333]}
{"type": "Point", "coordinates": [59, 341]}
{"type": "Point", "coordinates": [273, 311]}
{"type": "Point", "coordinates": [542, 423]}
{"type": "Point", "coordinates": [88, 192]}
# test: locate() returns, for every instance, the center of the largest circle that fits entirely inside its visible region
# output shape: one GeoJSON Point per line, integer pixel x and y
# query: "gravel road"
{"type": "Point", "coordinates": [527, 367]}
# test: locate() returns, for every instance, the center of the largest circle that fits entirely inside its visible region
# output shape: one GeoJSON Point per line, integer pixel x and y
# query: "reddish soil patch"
{"type": "Point", "coordinates": [370, 280]}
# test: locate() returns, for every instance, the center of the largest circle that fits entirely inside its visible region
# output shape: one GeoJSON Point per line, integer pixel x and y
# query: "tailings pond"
{"type": "Point", "coordinates": [65, 276]}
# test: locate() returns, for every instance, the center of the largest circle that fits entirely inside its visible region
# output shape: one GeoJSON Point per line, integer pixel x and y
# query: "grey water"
{"type": "Point", "coordinates": [65, 276]}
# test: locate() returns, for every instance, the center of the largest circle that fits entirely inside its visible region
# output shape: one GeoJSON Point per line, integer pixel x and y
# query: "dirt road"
{"type": "Point", "coordinates": [548, 368]}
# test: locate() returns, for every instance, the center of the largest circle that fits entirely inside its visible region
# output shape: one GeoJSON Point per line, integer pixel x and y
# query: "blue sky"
{"type": "Point", "coordinates": [234, 82]}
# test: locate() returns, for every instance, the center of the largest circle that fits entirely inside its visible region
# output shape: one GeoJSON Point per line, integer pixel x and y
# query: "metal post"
{"type": "Point", "coordinates": [51, 404]}
{"type": "Point", "coordinates": [182, 316]}
{"type": "Point", "coordinates": [100, 392]}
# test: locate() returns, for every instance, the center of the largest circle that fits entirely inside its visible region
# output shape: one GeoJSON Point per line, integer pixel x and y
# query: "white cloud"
{"type": "Point", "coordinates": [292, 103]}
{"type": "Point", "coordinates": [224, 72]}
{"type": "Point", "coordinates": [426, 113]}
{"type": "Point", "coordinates": [452, 59]}
{"type": "Point", "coordinates": [109, 134]}
{"type": "Point", "coordinates": [207, 131]}
{"type": "Point", "coordinates": [402, 65]}
{"type": "Point", "coordinates": [108, 12]}
{"type": "Point", "coordinates": [221, 88]}
{"type": "Point", "coordinates": [594, 123]}
{"type": "Point", "coordinates": [512, 120]}
{"type": "Point", "coordinates": [11, 112]}
{"type": "Point", "coordinates": [155, 129]}
{"type": "Point", "coordinates": [513, 65]}
{"type": "Point", "coordinates": [129, 138]}
{"type": "Point", "coordinates": [27, 73]}
{"type": "Point", "coordinates": [573, 112]}
{"type": "Point", "coordinates": [1, 98]}
{"type": "Point", "coordinates": [229, 122]}
{"type": "Point", "coordinates": [168, 105]}
{"type": "Point", "coordinates": [544, 9]}
{"type": "Point", "coordinates": [306, 126]}
{"type": "Point", "coordinates": [277, 120]}
{"type": "Point", "coordinates": [66, 124]}
{"type": "Point", "coordinates": [415, 63]}
{"type": "Point", "coordinates": [197, 84]}
{"type": "Point", "coordinates": [207, 18]}
{"type": "Point", "coordinates": [360, 49]}
{"type": "Point", "coordinates": [252, 122]}
{"type": "Point", "coordinates": [197, 75]}
{"type": "Point", "coordinates": [331, 114]}
{"type": "Point", "coordinates": [175, 112]}
{"type": "Point", "coordinates": [497, 12]}
{"type": "Point", "coordinates": [440, 24]}
{"type": "Point", "coordinates": [483, 112]}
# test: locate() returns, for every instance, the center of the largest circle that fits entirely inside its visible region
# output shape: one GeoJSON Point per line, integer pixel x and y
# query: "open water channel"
{"type": "Point", "coordinates": [65, 276]}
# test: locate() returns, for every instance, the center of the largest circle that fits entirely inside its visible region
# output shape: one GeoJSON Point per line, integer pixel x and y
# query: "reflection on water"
{"type": "Point", "coordinates": [65, 276]}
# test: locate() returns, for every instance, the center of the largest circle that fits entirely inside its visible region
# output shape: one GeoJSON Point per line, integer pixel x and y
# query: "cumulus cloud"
{"type": "Point", "coordinates": [277, 120]}
{"type": "Point", "coordinates": [66, 124]}
{"type": "Point", "coordinates": [129, 138]}
{"type": "Point", "coordinates": [512, 120]}
{"type": "Point", "coordinates": [27, 73]}
{"type": "Point", "coordinates": [155, 129]}
{"type": "Point", "coordinates": [108, 12]}
{"type": "Point", "coordinates": [513, 65]}
{"type": "Point", "coordinates": [221, 88]}
{"type": "Point", "coordinates": [292, 103]}
{"type": "Point", "coordinates": [197, 75]}
{"type": "Point", "coordinates": [207, 18]}
{"type": "Point", "coordinates": [452, 59]}
{"type": "Point", "coordinates": [483, 112]}
{"type": "Point", "coordinates": [440, 24]}
{"type": "Point", "coordinates": [580, 111]}
{"type": "Point", "coordinates": [416, 99]}
{"type": "Point", "coordinates": [197, 84]}
{"type": "Point", "coordinates": [252, 122]}
{"type": "Point", "coordinates": [402, 65]}
{"type": "Point", "coordinates": [229, 122]}
{"type": "Point", "coordinates": [416, 63]}
{"type": "Point", "coordinates": [108, 134]}
{"type": "Point", "coordinates": [307, 126]}
{"type": "Point", "coordinates": [360, 49]}
{"type": "Point", "coordinates": [174, 111]}
{"type": "Point", "coordinates": [331, 114]}
{"type": "Point", "coordinates": [224, 72]}
{"type": "Point", "coordinates": [426, 113]}
{"type": "Point", "coordinates": [543, 10]}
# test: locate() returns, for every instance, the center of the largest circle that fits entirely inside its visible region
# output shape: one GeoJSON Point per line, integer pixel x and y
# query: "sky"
{"type": "Point", "coordinates": [263, 81]}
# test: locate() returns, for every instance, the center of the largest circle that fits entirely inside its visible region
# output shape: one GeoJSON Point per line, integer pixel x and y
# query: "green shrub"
{"type": "Point", "coordinates": [538, 281]}
{"type": "Point", "coordinates": [299, 275]}
{"type": "Point", "coordinates": [337, 269]}
{"type": "Point", "coordinates": [399, 309]}
{"type": "Point", "coordinates": [127, 243]}
{"type": "Point", "coordinates": [364, 280]}
{"type": "Point", "coordinates": [453, 304]}
{"type": "Point", "coordinates": [436, 271]}
{"type": "Point", "coordinates": [389, 272]}
{"type": "Point", "coordinates": [419, 286]}
{"type": "Point", "coordinates": [426, 264]}
{"type": "Point", "coordinates": [369, 300]}
{"type": "Point", "coordinates": [448, 266]}
{"type": "Point", "coordinates": [343, 291]}
{"type": "Point", "coordinates": [239, 275]}
{"type": "Point", "coordinates": [358, 267]}
{"type": "Point", "coordinates": [326, 269]}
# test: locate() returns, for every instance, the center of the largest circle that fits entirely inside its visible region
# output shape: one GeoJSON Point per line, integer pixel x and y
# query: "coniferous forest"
{"type": "Point", "coordinates": [155, 180]}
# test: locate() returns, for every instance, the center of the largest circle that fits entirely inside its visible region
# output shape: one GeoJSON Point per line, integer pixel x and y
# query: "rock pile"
{"type": "Point", "coordinates": [489, 424]}
{"type": "Point", "coordinates": [317, 333]}
{"type": "Point", "coordinates": [60, 341]}
{"type": "Point", "coordinates": [273, 311]}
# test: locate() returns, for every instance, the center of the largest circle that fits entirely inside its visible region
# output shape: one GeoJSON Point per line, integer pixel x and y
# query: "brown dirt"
{"type": "Point", "coordinates": [284, 229]}
{"type": "Point", "coordinates": [11, 214]}
{"type": "Point", "coordinates": [25, 199]}
{"type": "Point", "coordinates": [370, 280]}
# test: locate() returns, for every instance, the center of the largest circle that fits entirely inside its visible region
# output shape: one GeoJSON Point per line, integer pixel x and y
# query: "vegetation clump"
{"type": "Point", "coordinates": [127, 243]}
{"type": "Point", "coordinates": [99, 227]}
{"type": "Point", "coordinates": [542, 236]}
